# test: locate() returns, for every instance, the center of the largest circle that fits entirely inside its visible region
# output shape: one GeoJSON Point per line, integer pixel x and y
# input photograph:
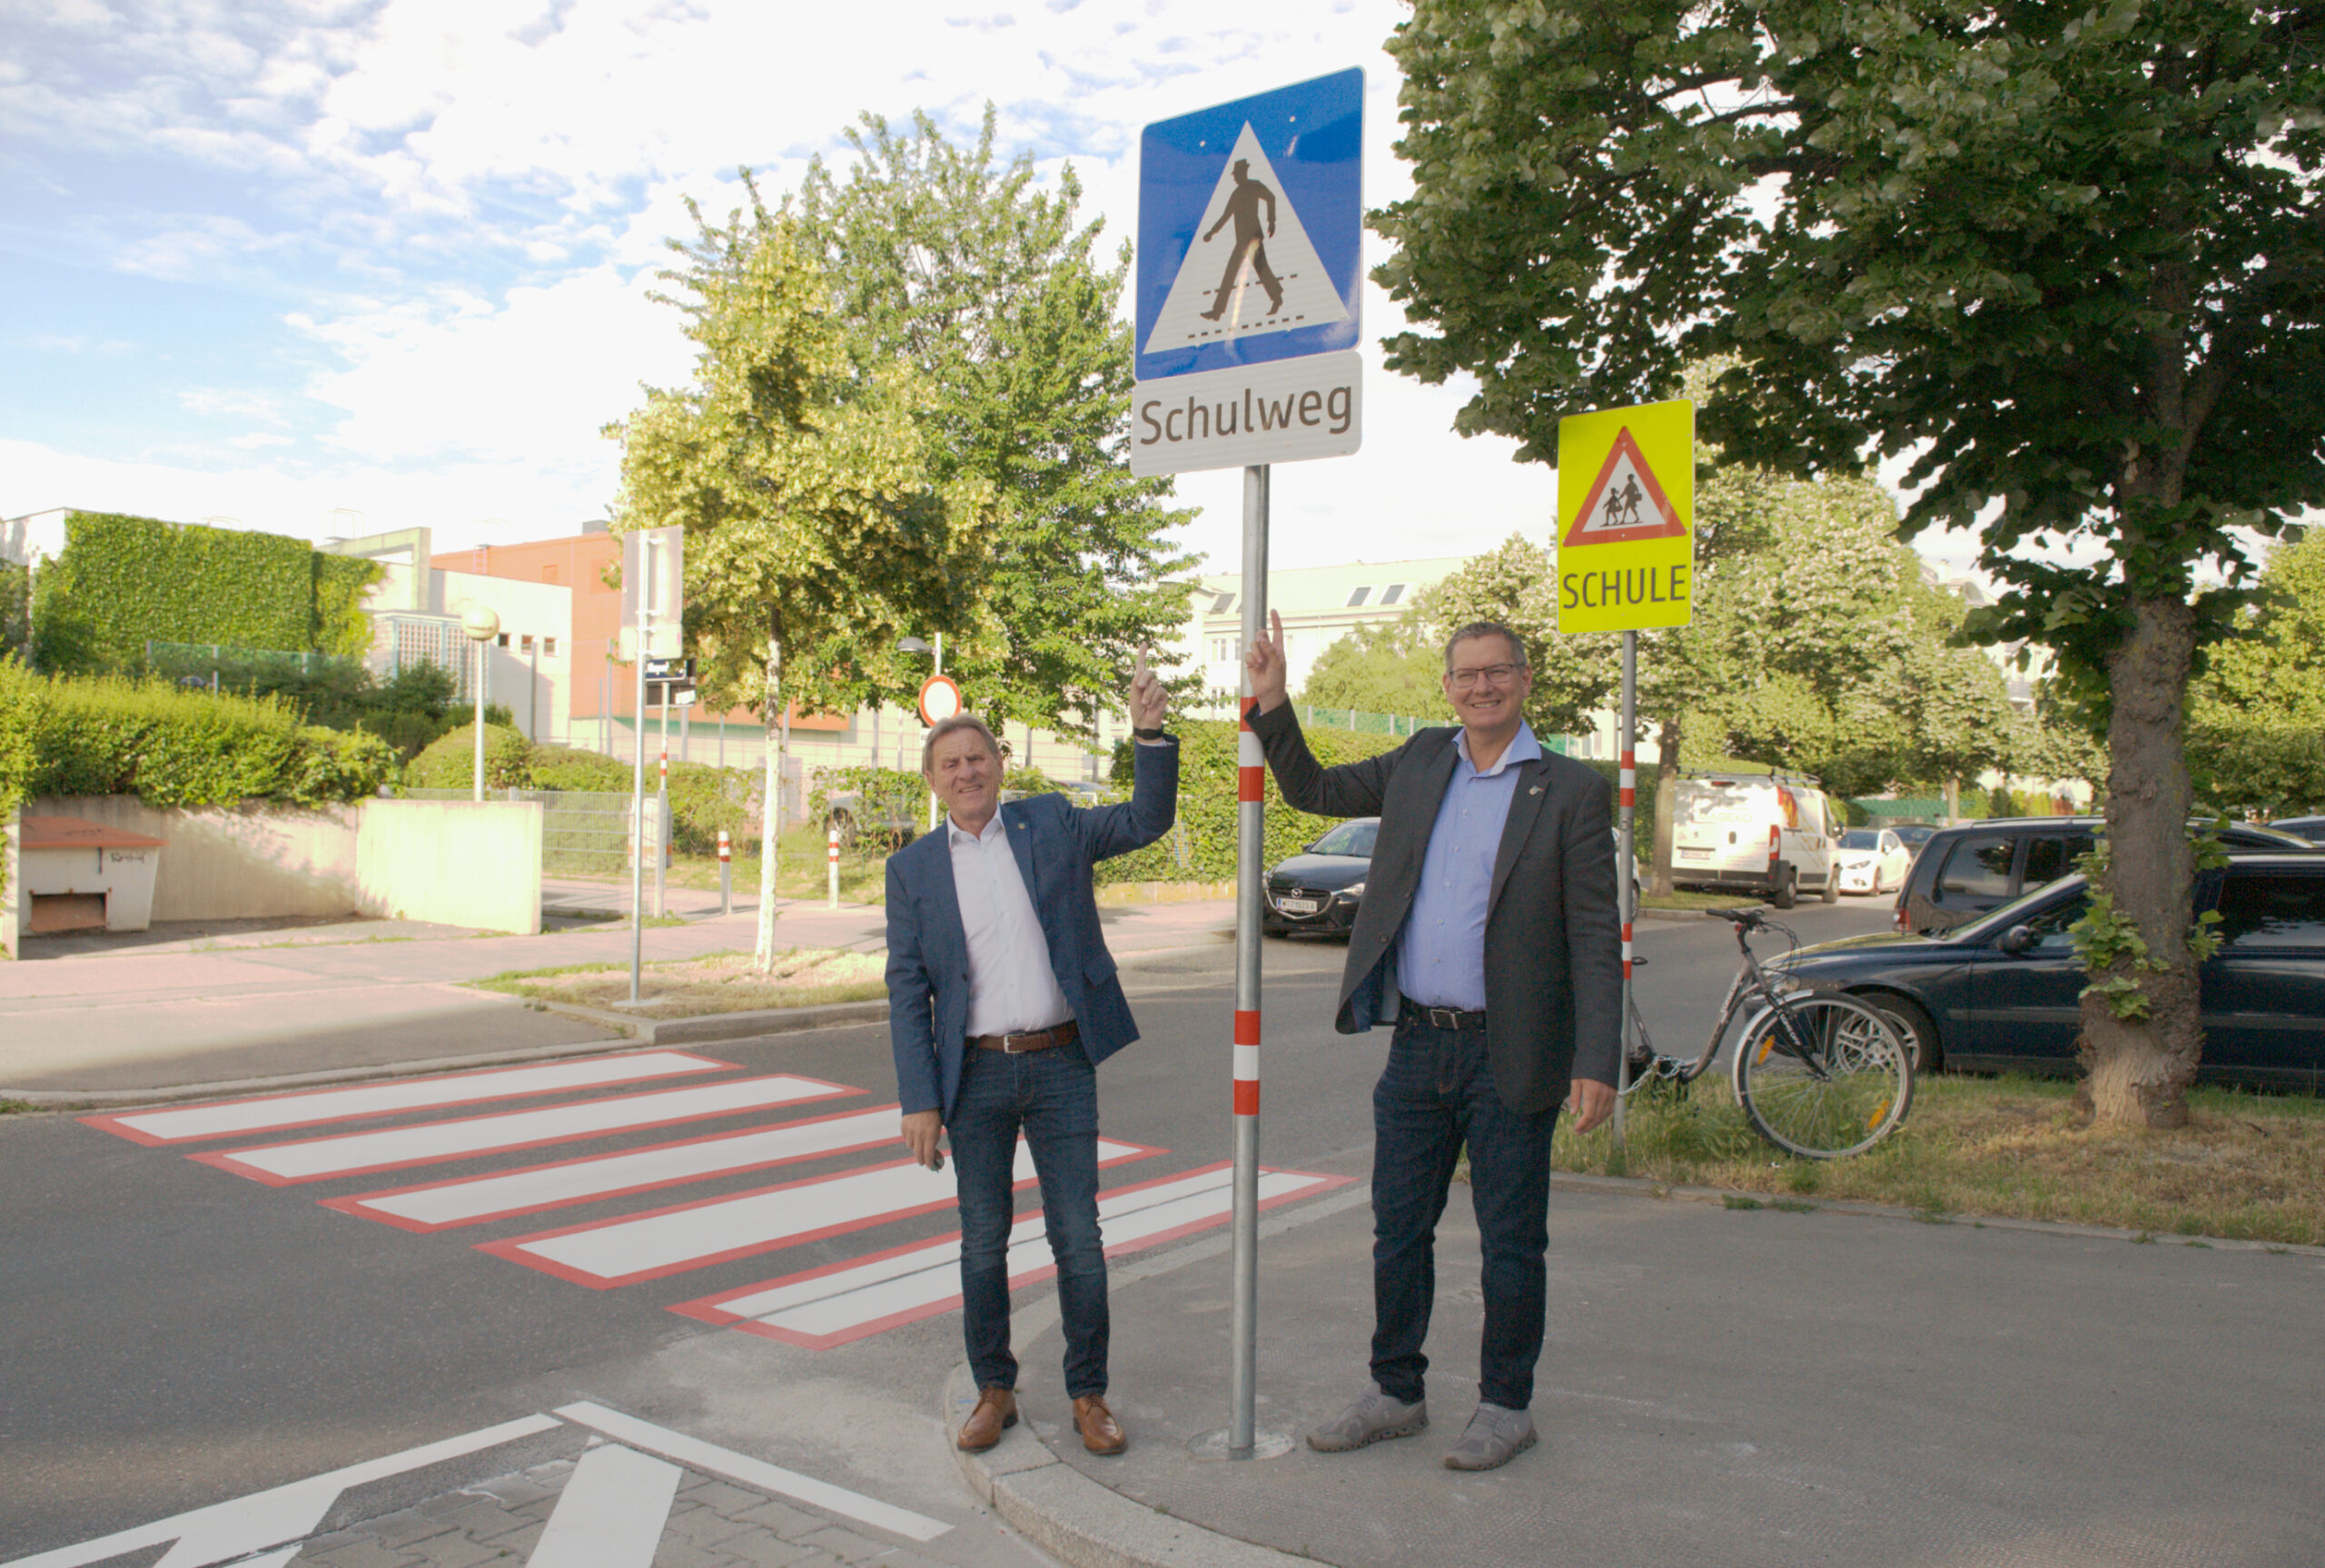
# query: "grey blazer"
{"type": "Point", "coordinates": [1553, 928]}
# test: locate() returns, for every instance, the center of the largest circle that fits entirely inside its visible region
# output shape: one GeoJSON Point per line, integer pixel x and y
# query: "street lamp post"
{"type": "Point", "coordinates": [483, 624]}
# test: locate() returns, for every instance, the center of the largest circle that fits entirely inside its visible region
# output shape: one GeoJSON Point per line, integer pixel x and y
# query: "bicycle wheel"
{"type": "Point", "coordinates": [1824, 1075]}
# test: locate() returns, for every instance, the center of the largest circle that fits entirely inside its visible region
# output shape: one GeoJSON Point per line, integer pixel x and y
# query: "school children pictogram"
{"type": "Point", "coordinates": [1624, 501]}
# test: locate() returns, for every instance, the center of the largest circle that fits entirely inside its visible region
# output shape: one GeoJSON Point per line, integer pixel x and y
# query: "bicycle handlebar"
{"type": "Point", "coordinates": [1749, 919]}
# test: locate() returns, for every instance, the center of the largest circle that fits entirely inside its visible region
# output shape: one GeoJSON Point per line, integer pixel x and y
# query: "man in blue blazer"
{"type": "Point", "coordinates": [1003, 1000]}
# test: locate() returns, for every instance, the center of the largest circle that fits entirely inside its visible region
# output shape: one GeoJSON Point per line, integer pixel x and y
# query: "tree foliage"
{"type": "Point", "coordinates": [2257, 716]}
{"type": "Point", "coordinates": [944, 258]}
{"type": "Point", "coordinates": [817, 532]}
{"type": "Point", "coordinates": [2067, 256]}
{"type": "Point", "coordinates": [1383, 667]}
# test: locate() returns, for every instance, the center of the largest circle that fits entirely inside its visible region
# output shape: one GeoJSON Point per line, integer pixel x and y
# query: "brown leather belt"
{"type": "Point", "coordinates": [1066, 1033]}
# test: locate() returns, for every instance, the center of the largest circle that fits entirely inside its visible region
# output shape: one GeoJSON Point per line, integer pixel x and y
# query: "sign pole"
{"type": "Point", "coordinates": [1627, 859]}
{"type": "Point", "coordinates": [1251, 851]}
{"type": "Point", "coordinates": [638, 778]}
{"type": "Point", "coordinates": [662, 810]}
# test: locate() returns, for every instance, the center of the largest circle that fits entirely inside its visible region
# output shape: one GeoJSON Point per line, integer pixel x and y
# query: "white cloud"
{"type": "Point", "coordinates": [230, 402]}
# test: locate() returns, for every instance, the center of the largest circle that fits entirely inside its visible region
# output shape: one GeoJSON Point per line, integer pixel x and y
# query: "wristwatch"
{"type": "Point", "coordinates": [1156, 733]}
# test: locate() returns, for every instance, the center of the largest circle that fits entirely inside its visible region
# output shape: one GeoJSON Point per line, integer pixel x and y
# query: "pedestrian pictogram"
{"type": "Point", "coordinates": [1252, 269]}
{"type": "Point", "coordinates": [1627, 488]}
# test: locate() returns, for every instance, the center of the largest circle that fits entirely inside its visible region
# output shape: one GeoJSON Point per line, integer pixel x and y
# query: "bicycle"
{"type": "Point", "coordinates": [1817, 1074]}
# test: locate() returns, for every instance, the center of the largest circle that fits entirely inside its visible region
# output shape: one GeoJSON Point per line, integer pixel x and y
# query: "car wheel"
{"type": "Point", "coordinates": [1914, 1021]}
{"type": "Point", "coordinates": [1787, 892]}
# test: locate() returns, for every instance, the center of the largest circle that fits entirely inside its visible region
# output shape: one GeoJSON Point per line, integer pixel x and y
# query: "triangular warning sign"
{"type": "Point", "coordinates": [1624, 502]}
{"type": "Point", "coordinates": [1249, 269]}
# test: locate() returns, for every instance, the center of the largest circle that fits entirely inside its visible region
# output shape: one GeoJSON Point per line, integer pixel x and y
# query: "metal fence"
{"type": "Point", "coordinates": [584, 833]}
{"type": "Point", "coordinates": [224, 663]}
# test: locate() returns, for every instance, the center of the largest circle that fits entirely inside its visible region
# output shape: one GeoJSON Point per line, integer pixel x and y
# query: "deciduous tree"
{"type": "Point", "coordinates": [2067, 256]}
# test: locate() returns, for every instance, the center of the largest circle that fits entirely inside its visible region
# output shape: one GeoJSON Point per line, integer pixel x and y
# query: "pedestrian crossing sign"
{"type": "Point", "coordinates": [1250, 230]}
{"type": "Point", "coordinates": [1626, 528]}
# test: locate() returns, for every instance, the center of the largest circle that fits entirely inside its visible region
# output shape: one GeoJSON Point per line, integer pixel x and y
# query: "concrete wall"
{"type": "Point", "coordinates": [246, 861]}
{"type": "Point", "coordinates": [455, 862]}
{"type": "Point", "coordinates": [452, 861]}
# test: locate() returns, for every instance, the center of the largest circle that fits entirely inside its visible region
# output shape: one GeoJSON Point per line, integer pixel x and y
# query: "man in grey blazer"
{"type": "Point", "coordinates": [1489, 938]}
{"type": "Point", "coordinates": [1003, 1001]}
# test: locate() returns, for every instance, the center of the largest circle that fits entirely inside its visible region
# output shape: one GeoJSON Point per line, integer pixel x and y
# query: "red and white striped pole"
{"type": "Point", "coordinates": [831, 867]}
{"type": "Point", "coordinates": [1251, 851]}
{"type": "Point", "coordinates": [725, 873]}
{"type": "Point", "coordinates": [1625, 862]}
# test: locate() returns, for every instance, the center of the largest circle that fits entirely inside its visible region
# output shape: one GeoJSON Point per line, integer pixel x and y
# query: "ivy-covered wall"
{"type": "Point", "coordinates": [122, 581]}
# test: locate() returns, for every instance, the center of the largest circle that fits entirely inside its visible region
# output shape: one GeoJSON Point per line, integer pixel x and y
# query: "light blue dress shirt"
{"type": "Point", "coordinates": [1442, 951]}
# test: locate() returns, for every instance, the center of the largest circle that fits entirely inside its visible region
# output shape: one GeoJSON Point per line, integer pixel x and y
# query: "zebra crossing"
{"type": "Point", "coordinates": [558, 1141]}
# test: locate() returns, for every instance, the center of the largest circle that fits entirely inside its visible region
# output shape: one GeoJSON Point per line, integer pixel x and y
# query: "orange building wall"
{"type": "Point", "coordinates": [584, 562]}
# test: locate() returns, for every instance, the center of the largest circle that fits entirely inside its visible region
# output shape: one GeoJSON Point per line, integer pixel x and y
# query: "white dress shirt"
{"type": "Point", "coordinates": [1012, 987]}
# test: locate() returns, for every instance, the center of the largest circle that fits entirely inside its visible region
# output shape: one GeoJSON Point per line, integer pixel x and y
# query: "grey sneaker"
{"type": "Point", "coordinates": [1495, 1437]}
{"type": "Point", "coordinates": [1372, 1416]}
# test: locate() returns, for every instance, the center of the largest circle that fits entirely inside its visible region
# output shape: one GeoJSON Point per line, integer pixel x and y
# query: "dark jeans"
{"type": "Point", "coordinates": [1051, 1096]}
{"type": "Point", "coordinates": [1436, 1094]}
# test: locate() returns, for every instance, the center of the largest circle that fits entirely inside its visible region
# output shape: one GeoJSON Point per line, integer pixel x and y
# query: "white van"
{"type": "Point", "coordinates": [1773, 834]}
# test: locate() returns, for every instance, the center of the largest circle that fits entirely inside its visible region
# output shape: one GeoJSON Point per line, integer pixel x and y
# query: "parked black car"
{"type": "Point", "coordinates": [2312, 828]}
{"type": "Point", "coordinates": [2003, 993]}
{"type": "Point", "coordinates": [1319, 891]}
{"type": "Point", "coordinates": [1965, 870]}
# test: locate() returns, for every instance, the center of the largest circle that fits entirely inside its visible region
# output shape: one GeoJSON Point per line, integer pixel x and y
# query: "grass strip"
{"type": "Point", "coordinates": [2245, 1167]}
{"type": "Point", "coordinates": [713, 984]}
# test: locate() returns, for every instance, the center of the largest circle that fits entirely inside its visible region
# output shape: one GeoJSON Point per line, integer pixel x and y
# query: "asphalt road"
{"type": "Point", "coordinates": [179, 1334]}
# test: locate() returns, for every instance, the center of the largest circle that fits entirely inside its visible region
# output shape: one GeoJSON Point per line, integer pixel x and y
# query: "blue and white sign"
{"type": "Point", "coordinates": [1250, 262]}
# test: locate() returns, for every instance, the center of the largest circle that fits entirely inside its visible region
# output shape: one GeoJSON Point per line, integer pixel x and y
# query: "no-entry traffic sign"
{"type": "Point", "coordinates": [1626, 510]}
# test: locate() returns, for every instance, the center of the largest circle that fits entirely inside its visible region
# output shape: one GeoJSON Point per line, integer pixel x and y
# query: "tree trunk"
{"type": "Point", "coordinates": [1952, 799]}
{"type": "Point", "coordinates": [2137, 1071]}
{"type": "Point", "coordinates": [1667, 788]}
{"type": "Point", "coordinates": [771, 807]}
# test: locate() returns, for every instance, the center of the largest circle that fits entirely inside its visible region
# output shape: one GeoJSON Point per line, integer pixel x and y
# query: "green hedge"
{"type": "Point", "coordinates": [124, 581]}
{"type": "Point", "coordinates": [1201, 847]}
{"type": "Point", "coordinates": [110, 735]}
{"type": "Point", "coordinates": [703, 799]}
{"type": "Point", "coordinates": [450, 761]}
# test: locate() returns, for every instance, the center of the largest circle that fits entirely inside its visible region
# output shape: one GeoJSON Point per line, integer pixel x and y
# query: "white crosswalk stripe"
{"type": "Point", "coordinates": [639, 1222]}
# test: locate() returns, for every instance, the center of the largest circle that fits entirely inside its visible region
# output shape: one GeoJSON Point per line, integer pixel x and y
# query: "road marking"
{"type": "Point", "coordinates": [610, 1514]}
{"type": "Point", "coordinates": [224, 1531]}
{"type": "Point", "coordinates": [697, 1455]}
{"type": "Point", "coordinates": [664, 1241]}
{"type": "Point", "coordinates": [843, 1302]}
{"type": "Point", "coordinates": [442, 1204]}
{"type": "Point", "coordinates": [361, 1153]}
{"type": "Point", "coordinates": [310, 1108]}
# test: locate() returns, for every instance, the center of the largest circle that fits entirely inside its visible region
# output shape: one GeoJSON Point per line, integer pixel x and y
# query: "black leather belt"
{"type": "Point", "coordinates": [1414, 1014]}
{"type": "Point", "coordinates": [1066, 1033]}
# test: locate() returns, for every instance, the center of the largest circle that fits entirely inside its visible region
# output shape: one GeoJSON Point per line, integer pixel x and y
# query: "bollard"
{"type": "Point", "coordinates": [831, 868]}
{"type": "Point", "coordinates": [725, 873]}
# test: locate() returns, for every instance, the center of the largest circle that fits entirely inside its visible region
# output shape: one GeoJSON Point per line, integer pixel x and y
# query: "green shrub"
{"type": "Point", "coordinates": [888, 794]}
{"type": "Point", "coordinates": [704, 799]}
{"type": "Point", "coordinates": [557, 767]}
{"type": "Point", "coordinates": [449, 763]}
{"type": "Point", "coordinates": [170, 747]}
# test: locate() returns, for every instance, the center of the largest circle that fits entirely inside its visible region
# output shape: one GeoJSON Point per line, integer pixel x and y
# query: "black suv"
{"type": "Point", "coordinates": [1968, 869]}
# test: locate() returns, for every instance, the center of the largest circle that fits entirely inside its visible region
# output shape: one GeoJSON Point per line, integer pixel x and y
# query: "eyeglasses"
{"type": "Point", "coordinates": [1491, 675]}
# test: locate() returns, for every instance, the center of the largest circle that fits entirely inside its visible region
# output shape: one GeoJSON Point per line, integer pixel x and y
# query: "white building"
{"type": "Point", "coordinates": [1320, 606]}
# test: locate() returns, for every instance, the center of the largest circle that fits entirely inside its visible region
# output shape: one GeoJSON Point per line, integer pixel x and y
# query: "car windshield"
{"type": "Point", "coordinates": [2014, 912]}
{"type": "Point", "coordinates": [2257, 836]}
{"type": "Point", "coordinates": [1350, 838]}
{"type": "Point", "coordinates": [1861, 838]}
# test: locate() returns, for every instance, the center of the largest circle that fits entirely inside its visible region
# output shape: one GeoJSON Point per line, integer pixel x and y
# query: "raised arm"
{"type": "Point", "coordinates": [1154, 804]}
{"type": "Point", "coordinates": [1353, 789]}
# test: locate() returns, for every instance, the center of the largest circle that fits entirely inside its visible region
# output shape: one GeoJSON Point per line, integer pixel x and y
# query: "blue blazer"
{"type": "Point", "coordinates": [928, 951]}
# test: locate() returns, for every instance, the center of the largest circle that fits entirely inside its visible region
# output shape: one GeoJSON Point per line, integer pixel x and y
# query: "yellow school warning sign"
{"type": "Point", "coordinates": [1626, 513]}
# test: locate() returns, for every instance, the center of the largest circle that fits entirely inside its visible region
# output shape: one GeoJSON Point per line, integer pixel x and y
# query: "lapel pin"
{"type": "Point", "coordinates": [1536, 790]}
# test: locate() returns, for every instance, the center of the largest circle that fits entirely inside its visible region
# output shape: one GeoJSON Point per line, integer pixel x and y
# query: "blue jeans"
{"type": "Point", "coordinates": [1436, 1094]}
{"type": "Point", "coordinates": [1051, 1096]}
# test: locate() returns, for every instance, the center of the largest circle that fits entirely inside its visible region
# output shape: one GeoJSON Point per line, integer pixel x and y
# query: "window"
{"type": "Point", "coordinates": [1392, 593]}
{"type": "Point", "coordinates": [525, 645]}
{"type": "Point", "coordinates": [502, 641]}
{"type": "Point", "coordinates": [2049, 859]}
{"type": "Point", "coordinates": [1360, 595]}
{"type": "Point", "coordinates": [1978, 868]}
{"type": "Point", "coordinates": [548, 651]}
{"type": "Point", "coordinates": [2052, 928]}
{"type": "Point", "coordinates": [2257, 911]}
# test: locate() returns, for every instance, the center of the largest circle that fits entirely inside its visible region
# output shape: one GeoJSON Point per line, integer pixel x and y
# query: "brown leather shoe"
{"type": "Point", "coordinates": [1101, 1432]}
{"type": "Point", "coordinates": [996, 1412]}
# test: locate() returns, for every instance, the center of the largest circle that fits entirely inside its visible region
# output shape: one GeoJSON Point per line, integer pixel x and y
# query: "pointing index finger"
{"type": "Point", "coordinates": [1138, 665]}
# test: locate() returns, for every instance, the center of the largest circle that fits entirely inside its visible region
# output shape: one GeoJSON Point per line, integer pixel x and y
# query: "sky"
{"type": "Point", "coordinates": [336, 267]}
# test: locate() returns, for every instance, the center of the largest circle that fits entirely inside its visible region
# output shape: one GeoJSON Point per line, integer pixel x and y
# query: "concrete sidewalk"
{"type": "Point", "coordinates": [218, 1012]}
{"type": "Point", "coordinates": [1739, 1387]}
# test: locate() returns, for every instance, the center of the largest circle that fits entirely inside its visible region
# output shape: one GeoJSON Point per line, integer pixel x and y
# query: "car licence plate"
{"type": "Point", "coordinates": [1695, 855]}
{"type": "Point", "coordinates": [1297, 905]}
